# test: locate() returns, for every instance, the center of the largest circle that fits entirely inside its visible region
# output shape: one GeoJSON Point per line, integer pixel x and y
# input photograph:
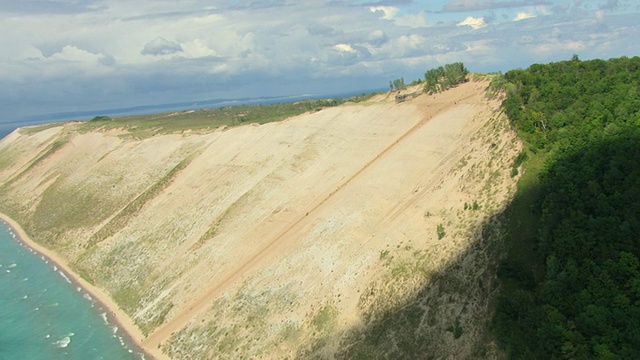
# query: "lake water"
{"type": "Point", "coordinates": [44, 315]}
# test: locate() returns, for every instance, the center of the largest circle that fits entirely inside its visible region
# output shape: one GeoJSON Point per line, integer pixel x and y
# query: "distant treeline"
{"type": "Point", "coordinates": [582, 119]}
{"type": "Point", "coordinates": [437, 79]}
{"type": "Point", "coordinates": [442, 78]}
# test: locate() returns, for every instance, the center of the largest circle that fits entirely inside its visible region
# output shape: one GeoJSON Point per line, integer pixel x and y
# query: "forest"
{"type": "Point", "coordinates": [570, 280]}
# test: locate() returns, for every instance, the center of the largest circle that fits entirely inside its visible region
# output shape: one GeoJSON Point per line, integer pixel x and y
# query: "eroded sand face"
{"type": "Point", "coordinates": [265, 243]}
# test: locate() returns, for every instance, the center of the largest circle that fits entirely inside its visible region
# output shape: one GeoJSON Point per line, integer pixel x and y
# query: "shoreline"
{"type": "Point", "coordinates": [125, 324]}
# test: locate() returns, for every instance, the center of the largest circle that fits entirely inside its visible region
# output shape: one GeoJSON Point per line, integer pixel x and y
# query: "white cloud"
{"type": "Point", "coordinates": [559, 46]}
{"type": "Point", "coordinates": [197, 48]}
{"type": "Point", "coordinates": [474, 23]}
{"type": "Point", "coordinates": [161, 46]}
{"type": "Point", "coordinates": [523, 15]}
{"type": "Point", "coordinates": [410, 20]}
{"type": "Point", "coordinates": [344, 48]}
{"type": "Point", "coordinates": [388, 12]}
{"type": "Point", "coordinates": [378, 37]}
{"type": "Point", "coordinates": [155, 51]}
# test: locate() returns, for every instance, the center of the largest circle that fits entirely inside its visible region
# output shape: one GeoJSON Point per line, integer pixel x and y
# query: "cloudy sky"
{"type": "Point", "coordinates": [78, 55]}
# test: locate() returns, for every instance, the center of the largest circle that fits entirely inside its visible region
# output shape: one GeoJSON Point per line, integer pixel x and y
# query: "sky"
{"type": "Point", "coordinates": [89, 55]}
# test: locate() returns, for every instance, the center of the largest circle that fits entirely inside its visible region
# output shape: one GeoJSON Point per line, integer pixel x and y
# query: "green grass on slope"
{"type": "Point", "coordinates": [203, 120]}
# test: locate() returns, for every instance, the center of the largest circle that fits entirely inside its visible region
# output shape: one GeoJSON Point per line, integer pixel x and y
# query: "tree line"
{"type": "Point", "coordinates": [437, 79]}
{"type": "Point", "coordinates": [582, 119]}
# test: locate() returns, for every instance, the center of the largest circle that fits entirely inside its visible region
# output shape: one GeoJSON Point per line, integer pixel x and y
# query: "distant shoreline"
{"type": "Point", "coordinates": [122, 320]}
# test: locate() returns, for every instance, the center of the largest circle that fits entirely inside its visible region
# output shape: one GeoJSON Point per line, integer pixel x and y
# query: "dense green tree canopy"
{"type": "Point", "coordinates": [442, 78]}
{"type": "Point", "coordinates": [584, 118]}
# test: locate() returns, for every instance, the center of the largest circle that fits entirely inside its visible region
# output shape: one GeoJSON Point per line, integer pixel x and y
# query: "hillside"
{"type": "Point", "coordinates": [571, 278]}
{"type": "Point", "coordinates": [365, 228]}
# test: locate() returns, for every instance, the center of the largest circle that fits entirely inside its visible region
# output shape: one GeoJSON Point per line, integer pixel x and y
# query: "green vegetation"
{"type": "Point", "coordinates": [101, 118]}
{"type": "Point", "coordinates": [440, 231]}
{"type": "Point", "coordinates": [571, 278]}
{"type": "Point", "coordinates": [443, 78]}
{"type": "Point", "coordinates": [143, 126]}
{"type": "Point", "coordinates": [125, 215]}
{"type": "Point", "coordinates": [456, 329]}
{"type": "Point", "coordinates": [325, 319]}
{"type": "Point", "coordinates": [397, 84]}
{"type": "Point", "coordinates": [30, 130]}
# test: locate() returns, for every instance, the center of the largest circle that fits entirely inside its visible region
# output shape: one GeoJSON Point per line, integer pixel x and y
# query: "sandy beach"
{"type": "Point", "coordinates": [124, 322]}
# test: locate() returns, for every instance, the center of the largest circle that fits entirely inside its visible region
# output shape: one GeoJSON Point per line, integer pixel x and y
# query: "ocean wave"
{"type": "Point", "coordinates": [64, 342]}
{"type": "Point", "coordinates": [12, 266]}
{"type": "Point", "coordinates": [103, 315]}
{"type": "Point", "coordinates": [24, 297]}
{"type": "Point", "coordinates": [87, 296]}
{"type": "Point", "coordinates": [65, 276]}
{"type": "Point", "coordinates": [25, 279]}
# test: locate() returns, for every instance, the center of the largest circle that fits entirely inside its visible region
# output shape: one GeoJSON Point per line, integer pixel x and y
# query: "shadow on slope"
{"type": "Point", "coordinates": [446, 315]}
{"type": "Point", "coordinates": [566, 251]}
{"type": "Point", "coordinates": [585, 302]}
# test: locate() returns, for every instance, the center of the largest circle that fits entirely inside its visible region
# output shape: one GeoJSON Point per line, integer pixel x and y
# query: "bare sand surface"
{"type": "Point", "coordinates": [124, 322]}
{"type": "Point", "coordinates": [269, 239]}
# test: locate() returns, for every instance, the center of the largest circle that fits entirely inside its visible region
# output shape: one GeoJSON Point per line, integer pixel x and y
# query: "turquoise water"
{"type": "Point", "coordinates": [43, 315]}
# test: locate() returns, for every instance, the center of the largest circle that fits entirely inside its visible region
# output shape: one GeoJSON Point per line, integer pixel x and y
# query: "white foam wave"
{"type": "Point", "coordinates": [114, 329]}
{"type": "Point", "coordinates": [65, 276]}
{"type": "Point", "coordinates": [24, 297]}
{"type": "Point", "coordinates": [55, 268]}
{"type": "Point", "coordinates": [78, 289]}
{"type": "Point", "coordinates": [12, 266]}
{"type": "Point", "coordinates": [87, 296]}
{"type": "Point", "coordinates": [25, 279]}
{"type": "Point", "coordinates": [62, 343]}
{"type": "Point", "coordinates": [103, 315]}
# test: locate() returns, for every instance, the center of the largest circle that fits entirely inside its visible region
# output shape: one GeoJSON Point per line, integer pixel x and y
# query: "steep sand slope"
{"type": "Point", "coordinates": [273, 240]}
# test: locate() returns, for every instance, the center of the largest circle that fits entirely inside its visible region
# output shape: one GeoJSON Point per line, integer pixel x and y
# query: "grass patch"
{"type": "Point", "coordinates": [52, 148]}
{"type": "Point", "coordinates": [204, 120]}
{"type": "Point", "coordinates": [30, 130]}
{"type": "Point", "coordinates": [325, 319]}
{"type": "Point", "coordinates": [440, 231]}
{"type": "Point", "coordinates": [522, 224]}
{"type": "Point", "coordinates": [160, 314]}
{"type": "Point", "coordinates": [456, 329]}
{"type": "Point", "coordinates": [128, 297]}
{"type": "Point", "coordinates": [123, 217]}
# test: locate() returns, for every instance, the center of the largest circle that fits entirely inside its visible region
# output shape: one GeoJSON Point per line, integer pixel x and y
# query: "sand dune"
{"type": "Point", "coordinates": [263, 240]}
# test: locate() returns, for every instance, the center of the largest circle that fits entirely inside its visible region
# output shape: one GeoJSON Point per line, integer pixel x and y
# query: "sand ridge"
{"type": "Point", "coordinates": [266, 238]}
